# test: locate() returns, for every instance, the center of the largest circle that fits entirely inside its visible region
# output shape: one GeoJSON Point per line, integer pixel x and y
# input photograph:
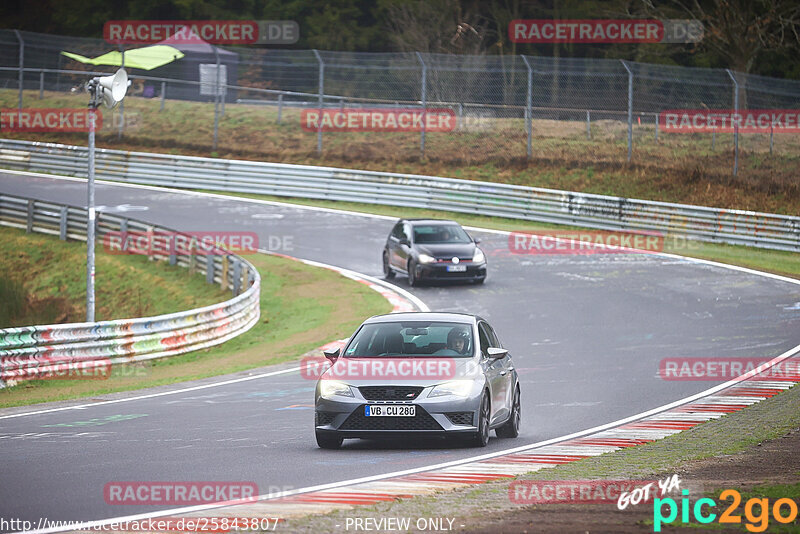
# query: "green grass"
{"type": "Point", "coordinates": [677, 168]}
{"type": "Point", "coordinates": [301, 308]}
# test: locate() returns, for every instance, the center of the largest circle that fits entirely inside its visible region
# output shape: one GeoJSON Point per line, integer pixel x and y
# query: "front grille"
{"type": "Point", "coordinates": [460, 418]}
{"type": "Point", "coordinates": [422, 420]}
{"type": "Point", "coordinates": [393, 393]}
{"type": "Point", "coordinates": [324, 418]}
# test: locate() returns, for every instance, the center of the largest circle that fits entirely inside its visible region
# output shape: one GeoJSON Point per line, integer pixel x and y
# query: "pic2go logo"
{"type": "Point", "coordinates": [758, 520]}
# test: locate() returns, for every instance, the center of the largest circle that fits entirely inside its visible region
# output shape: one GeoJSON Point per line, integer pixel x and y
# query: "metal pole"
{"type": "Point", "coordinates": [424, 104]}
{"type": "Point", "coordinates": [280, 107]}
{"type": "Point", "coordinates": [588, 125]}
{"type": "Point", "coordinates": [713, 139]}
{"type": "Point", "coordinates": [771, 132]}
{"type": "Point", "coordinates": [21, 66]}
{"type": "Point", "coordinates": [216, 102]}
{"type": "Point", "coordinates": [121, 104]}
{"type": "Point", "coordinates": [41, 85]}
{"type": "Point", "coordinates": [320, 101]}
{"type": "Point", "coordinates": [630, 110]}
{"type": "Point", "coordinates": [656, 115]}
{"type": "Point", "coordinates": [163, 94]}
{"type": "Point", "coordinates": [736, 125]}
{"type": "Point", "coordinates": [90, 269]}
{"type": "Point", "coordinates": [529, 108]}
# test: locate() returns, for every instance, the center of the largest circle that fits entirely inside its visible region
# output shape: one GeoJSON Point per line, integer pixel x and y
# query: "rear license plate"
{"type": "Point", "coordinates": [372, 410]}
{"type": "Point", "coordinates": [456, 268]}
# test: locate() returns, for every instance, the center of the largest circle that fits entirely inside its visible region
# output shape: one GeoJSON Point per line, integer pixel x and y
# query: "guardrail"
{"type": "Point", "coordinates": [55, 351]}
{"type": "Point", "coordinates": [738, 227]}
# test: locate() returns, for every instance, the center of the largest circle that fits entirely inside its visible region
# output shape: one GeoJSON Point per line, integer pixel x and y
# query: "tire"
{"type": "Point", "coordinates": [412, 278]}
{"type": "Point", "coordinates": [387, 270]}
{"type": "Point", "coordinates": [481, 437]}
{"type": "Point", "coordinates": [510, 428]}
{"type": "Point", "coordinates": [326, 440]}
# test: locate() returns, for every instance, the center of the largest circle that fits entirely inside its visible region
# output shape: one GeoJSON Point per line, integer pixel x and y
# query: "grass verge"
{"type": "Point", "coordinates": [301, 308]}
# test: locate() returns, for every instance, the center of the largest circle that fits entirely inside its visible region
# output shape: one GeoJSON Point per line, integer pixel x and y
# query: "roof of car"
{"type": "Point", "coordinates": [424, 316]}
{"type": "Point", "coordinates": [421, 221]}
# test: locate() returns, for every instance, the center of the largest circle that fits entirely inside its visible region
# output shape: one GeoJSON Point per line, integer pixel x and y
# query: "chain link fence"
{"type": "Point", "coordinates": [506, 108]}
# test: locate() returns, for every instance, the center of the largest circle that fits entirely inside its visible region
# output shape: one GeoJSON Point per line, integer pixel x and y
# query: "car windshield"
{"type": "Point", "coordinates": [440, 233]}
{"type": "Point", "coordinates": [411, 339]}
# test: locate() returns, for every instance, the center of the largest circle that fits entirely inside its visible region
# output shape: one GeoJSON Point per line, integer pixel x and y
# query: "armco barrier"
{"type": "Point", "coordinates": [35, 351]}
{"type": "Point", "coordinates": [518, 202]}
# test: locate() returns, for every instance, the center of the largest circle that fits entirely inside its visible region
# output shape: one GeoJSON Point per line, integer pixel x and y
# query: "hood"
{"type": "Point", "coordinates": [448, 250]}
{"type": "Point", "coordinates": [461, 368]}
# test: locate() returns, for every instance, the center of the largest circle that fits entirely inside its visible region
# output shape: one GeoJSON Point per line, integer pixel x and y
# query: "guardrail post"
{"type": "Point", "coordinates": [21, 66]}
{"type": "Point", "coordinates": [529, 108]}
{"type": "Point", "coordinates": [223, 279]}
{"type": "Point", "coordinates": [713, 139]}
{"type": "Point", "coordinates": [41, 84]}
{"type": "Point", "coordinates": [656, 115]}
{"type": "Point", "coordinates": [29, 227]}
{"type": "Point", "coordinates": [62, 223]}
{"type": "Point", "coordinates": [150, 235]}
{"type": "Point", "coordinates": [320, 101]}
{"type": "Point", "coordinates": [237, 277]}
{"type": "Point", "coordinates": [630, 109]}
{"type": "Point", "coordinates": [280, 107]}
{"type": "Point", "coordinates": [460, 117]}
{"type": "Point", "coordinates": [245, 276]}
{"type": "Point", "coordinates": [163, 95]}
{"type": "Point", "coordinates": [588, 125]}
{"type": "Point", "coordinates": [173, 258]}
{"type": "Point", "coordinates": [210, 269]}
{"type": "Point", "coordinates": [736, 125]}
{"type": "Point", "coordinates": [771, 132]}
{"type": "Point", "coordinates": [216, 102]}
{"type": "Point", "coordinates": [423, 96]}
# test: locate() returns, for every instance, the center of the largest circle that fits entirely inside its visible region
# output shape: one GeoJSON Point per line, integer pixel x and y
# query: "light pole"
{"type": "Point", "coordinates": [110, 90]}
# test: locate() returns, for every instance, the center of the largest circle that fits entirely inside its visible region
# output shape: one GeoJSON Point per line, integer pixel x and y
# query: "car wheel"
{"type": "Point", "coordinates": [481, 437]}
{"type": "Point", "coordinates": [387, 270]}
{"type": "Point", "coordinates": [326, 440]}
{"type": "Point", "coordinates": [510, 428]}
{"type": "Point", "coordinates": [412, 277]}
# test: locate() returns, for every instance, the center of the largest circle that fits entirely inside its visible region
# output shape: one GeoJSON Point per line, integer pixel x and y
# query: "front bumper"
{"type": "Point", "coordinates": [438, 271]}
{"type": "Point", "coordinates": [438, 416]}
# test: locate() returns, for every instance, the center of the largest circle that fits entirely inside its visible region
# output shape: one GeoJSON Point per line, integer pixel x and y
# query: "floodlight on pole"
{"type": "Point", "coordinates": [110, 90]}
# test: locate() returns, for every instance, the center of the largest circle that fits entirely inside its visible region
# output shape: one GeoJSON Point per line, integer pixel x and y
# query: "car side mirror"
{"type": "Point", "coordinates": [404, 241]}
{"type": "Point", "coordinates": [496, 353]}
{"type": "Point", "coordinates": [476, 240]}
{"type": "Point", "coordinates": [332, 354]}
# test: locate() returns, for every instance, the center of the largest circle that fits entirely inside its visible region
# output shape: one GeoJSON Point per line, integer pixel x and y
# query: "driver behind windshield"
{"type": "Point", "coordinates": [457, 343]}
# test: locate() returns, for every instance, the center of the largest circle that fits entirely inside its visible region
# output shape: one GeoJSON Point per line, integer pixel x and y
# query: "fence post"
{"type": "Point", "coordinates": [163, 95]}
{"type": "Point", "coordinates": [320, 99]}
{"type": "Point", "coordinates": [588, 125]}
{"type": "Point", "coordinates": [237, 277]}
{"type": "Point", "coordinates": [423, 96]}
{"type": "Point", "coordinates": [280, 107]}
{"type": "Point", "coordinates": [216, 102]}
{"type": "Point", "coordinates": [21, 66]}
{"type": "Point", "coordinates": [210, 268]}
{"type": "Point", "coordinates": [656, 115]}
{"type": "Point", "coordinates": [62, 224]}
{"type": "Point", "coordinates": [121, 104]}
{"type": "Point", "coordinates": [771, 132]}
{"type": "Point", "coordinates": [460, 118]}
{"type": "Point", "coordinates": [223, 282]}
{"type": "Point", "coordinates": [29, 226]}
{"type": "Point", "coordinates": [630, 109]}
{"type": "Point", "coordinates": [736, 125]}
{"type": "Point", "coordinates": [529, 108]}
{"type": "Point", "coordinates": [41, 84]}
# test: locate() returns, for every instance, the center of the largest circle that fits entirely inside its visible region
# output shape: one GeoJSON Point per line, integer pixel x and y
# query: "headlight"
{"type": "Point", "coordinates": [330, 388]}
{"type": "Point", "coordinates": [424, 258]}
{"type": "Point", "coordinates": [478, 257]}
{"type": "Point", "coordinates": [458, 388]}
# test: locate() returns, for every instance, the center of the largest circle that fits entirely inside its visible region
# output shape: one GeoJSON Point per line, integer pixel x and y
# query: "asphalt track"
{"type": "Point", "coordinates": [586, 334]}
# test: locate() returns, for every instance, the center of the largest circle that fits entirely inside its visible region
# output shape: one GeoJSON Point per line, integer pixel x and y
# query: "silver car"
{"type": "Point", "coordinates": [418, 374]}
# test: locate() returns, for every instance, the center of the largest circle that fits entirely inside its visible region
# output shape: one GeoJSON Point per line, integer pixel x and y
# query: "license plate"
{"type": "Point", "coordinates": [456, 268]}
{"type": "Point", "coordinates": [372, 410]}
